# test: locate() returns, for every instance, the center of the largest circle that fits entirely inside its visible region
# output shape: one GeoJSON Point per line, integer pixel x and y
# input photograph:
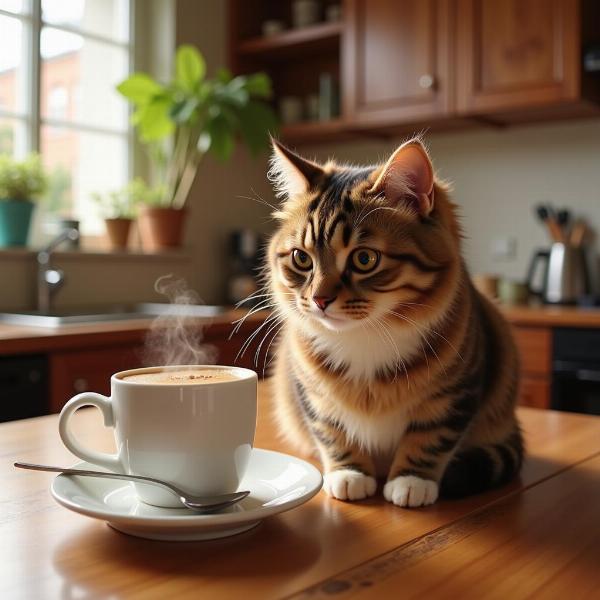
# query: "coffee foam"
{"type": "Point", "coordinates": [182, 377]}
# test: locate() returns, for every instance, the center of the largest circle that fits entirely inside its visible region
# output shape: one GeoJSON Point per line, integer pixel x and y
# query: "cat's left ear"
{"type": "Point", "coordinates": [407, 177]}
{"type": "Point", "coordinates": [290, 173]}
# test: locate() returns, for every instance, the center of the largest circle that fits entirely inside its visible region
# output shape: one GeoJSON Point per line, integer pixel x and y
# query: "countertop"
{"type": "Point", "coordinates": [538, 537]}
{"type": "Point", "coordinates": [15, 339]}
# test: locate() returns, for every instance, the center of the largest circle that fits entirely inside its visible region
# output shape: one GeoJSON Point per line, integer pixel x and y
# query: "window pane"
{"type": "Point", "coordinates": [80, 163]}
{"type": "Point", "coordinates": [108, 18]}
{"type": "Point", "coordinates": [14, 6]}
{"type": "Point", "coordinates": [13, 90]}
{"type": "Point", "coordinates": [79, 78]}
{"type": "Point", "coordinates": [13, 138]}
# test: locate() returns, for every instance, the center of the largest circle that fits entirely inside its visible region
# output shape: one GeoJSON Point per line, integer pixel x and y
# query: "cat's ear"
{"type": "Point", "coordinates": [291, 174]}
{"type": "Point", "coordinates": [407, 177]}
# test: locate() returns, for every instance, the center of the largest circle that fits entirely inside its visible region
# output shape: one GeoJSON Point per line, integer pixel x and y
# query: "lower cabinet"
{"type": "Point", "coordinates": [535, 351]}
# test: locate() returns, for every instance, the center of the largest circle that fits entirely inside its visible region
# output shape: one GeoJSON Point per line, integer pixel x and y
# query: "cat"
{"type": "Point", "coordinates": [389, 363]}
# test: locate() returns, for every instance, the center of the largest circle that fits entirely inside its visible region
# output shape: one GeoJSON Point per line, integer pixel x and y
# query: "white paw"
{"type": "Point", "coordinates": [412, 491]}
{"type": "Point", "coordinates": [347, 484]}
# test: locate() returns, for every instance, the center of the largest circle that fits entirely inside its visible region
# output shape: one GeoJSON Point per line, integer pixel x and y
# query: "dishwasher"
{"type": "Point", "coordinates": [576, 370]}
{"type": "Point", "coordinates": [24, 387]}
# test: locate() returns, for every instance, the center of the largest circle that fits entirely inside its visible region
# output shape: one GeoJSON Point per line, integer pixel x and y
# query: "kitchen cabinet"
{"type": "Point", "coordinates": [535, 351]}
{"type": "Point", "coordinates": [403, 65]}
{"type": "Point", "coordinates": [522, 55]}
{"type": "Point", "coordinates": [396, 60]}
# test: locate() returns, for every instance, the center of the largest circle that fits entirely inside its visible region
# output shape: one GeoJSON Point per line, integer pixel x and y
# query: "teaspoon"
{"type": "Point", "coordinates": [201, 504]}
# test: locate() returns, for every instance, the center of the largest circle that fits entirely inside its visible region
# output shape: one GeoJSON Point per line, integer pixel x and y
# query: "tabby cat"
{"type": "Point", "coordinates": [390, 363]}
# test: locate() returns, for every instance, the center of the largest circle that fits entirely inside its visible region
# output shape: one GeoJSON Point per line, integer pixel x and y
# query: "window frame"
{"type": "Point", "coordinates": [32, 120]}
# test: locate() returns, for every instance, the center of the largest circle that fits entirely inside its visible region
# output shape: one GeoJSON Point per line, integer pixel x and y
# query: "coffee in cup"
{"type": "Point", "coordinates": [190, 426]}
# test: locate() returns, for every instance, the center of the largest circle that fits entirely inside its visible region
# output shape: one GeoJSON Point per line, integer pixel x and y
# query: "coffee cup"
{"type": "Point", "coordinates": [192, 426]}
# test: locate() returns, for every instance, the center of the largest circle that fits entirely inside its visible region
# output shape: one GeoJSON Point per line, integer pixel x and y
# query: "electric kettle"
{"type": "Point", "coordinates": [566, 275]}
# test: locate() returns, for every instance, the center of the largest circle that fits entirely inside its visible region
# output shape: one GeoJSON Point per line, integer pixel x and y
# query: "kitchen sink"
{"type": "Point", "coordinates": [97, 314]}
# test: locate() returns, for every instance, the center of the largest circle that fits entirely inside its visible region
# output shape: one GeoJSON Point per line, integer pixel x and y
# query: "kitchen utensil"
{"type": "Point", "coordinates": [546, 215]}
{"type": "Point", "coordinates": [577, 234]}
{"type": "Point", "coordinates": [203, 504]}
{"type": "Point", "coordinates": [565, 275]}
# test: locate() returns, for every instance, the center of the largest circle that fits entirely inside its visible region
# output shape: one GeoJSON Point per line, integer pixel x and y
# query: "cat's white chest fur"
{"type": "Point", "coordinates": [365, 352]}
{"type": "Point", "coordinates": [375, 433]}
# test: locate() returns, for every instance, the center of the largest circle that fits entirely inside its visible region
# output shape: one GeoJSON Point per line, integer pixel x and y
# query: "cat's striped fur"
{"type": "Point", "coordinates": [389, 363]}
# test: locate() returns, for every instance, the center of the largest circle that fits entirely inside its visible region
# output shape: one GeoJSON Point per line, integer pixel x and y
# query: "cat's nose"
{"type": "Point", "coordinates": [323, 301]}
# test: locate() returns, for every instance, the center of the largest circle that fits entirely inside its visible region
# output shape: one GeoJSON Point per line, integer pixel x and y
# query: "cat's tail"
{"type": "Point", "coordinates": [478, 469]}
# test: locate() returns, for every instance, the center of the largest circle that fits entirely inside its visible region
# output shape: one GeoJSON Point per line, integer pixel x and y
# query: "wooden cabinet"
{"type": "Point", "coordinates": [535, 351]}
{"type": "Point", "coordinates": [407, 64]}
{"type": "Point", "coordinates": [516, 53]}
{"type": "Point", "coordinates": [396, 60]}
{"type": "Point", "coordinates": [82, 370]}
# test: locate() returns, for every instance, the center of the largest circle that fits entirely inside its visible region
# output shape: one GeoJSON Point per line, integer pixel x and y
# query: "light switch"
{"type": "Point", "coordinates": [504, 248]}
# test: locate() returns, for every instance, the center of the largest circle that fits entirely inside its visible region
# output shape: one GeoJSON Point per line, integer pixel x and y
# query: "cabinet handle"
{"type": "Point", "coordinates": [426, 81]}
{"type": "Point", "coordinates": [80, 384]}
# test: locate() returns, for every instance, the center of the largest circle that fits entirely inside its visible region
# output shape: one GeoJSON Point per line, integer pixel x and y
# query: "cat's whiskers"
{"type": "Point", "coordinates": [374, 210]}
{"type": "Point", "coordinates": [251, 337]}
{"type": "Point", "coordinates": [280, 319]}
{"type": "Point", "coordinates": [398, 354]}
{"type": "Point", "coordinates": [434, 332]}
{"type": "Point", "coordinates": [265, 305]}
{"type": "Point", "coordinates": [265, 363]}
{"type": "Point", "coordinates": [423, 337]}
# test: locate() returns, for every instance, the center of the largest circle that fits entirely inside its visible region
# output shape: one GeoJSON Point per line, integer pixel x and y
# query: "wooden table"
{"type": "Point", "coordinates": [538, 537]}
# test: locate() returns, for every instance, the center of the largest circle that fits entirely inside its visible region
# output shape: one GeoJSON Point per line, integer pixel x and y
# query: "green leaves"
{"type": "Point", "coordinates": [190, 68]}
{"type": "Point", "coordinates": [139, 88]}
{"type": "Point", "coordinates": [196, 116]}
{"type": "Point", "coordinates": [22, 180]}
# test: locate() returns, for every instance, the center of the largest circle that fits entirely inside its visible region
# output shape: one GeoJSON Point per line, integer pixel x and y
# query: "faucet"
{"type": "Point", "coordinates": [50, 280]}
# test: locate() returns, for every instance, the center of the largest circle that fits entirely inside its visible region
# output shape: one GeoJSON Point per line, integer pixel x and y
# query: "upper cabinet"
{"type": "Point", "coordinates": [396, 60]}
{"type": "Point", "coordinates": [401, 65]}
{"type": "Point", "coordinates": [516, 53]}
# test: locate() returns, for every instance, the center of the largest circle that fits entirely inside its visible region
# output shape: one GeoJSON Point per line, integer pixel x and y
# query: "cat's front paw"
{"type": "Point", "coordinates": [347, 484]}
{"type": "Point", "coordinates": [408, 490]}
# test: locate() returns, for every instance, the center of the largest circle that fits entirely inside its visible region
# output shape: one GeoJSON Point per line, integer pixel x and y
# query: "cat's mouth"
{"type": "Point", "coordinates": [335, 322]}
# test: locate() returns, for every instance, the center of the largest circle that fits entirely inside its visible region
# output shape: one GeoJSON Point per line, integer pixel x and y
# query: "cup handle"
{"type": "Point", "coordinates": [102, 459]}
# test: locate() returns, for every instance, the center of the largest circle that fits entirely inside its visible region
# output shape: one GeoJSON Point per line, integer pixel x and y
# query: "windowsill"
{"type": "Point", "coordinates": [178, 255]}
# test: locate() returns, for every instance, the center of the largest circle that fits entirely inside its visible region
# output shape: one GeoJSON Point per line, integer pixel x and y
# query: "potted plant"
{"type": "Point", "coordinates": [21, 183]}
{"type": "Point", "coordinates": [186, 119]}
{"type": "Point", "coordinates": [118, 209]}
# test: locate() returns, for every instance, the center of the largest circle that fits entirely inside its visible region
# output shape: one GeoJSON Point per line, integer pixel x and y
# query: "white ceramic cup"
{"type": "Point", "coordinates": [197, 436]}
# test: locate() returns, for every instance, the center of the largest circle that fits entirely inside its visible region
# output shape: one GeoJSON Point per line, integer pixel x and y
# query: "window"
{"type": "Point", "coordinates": [59, 64]}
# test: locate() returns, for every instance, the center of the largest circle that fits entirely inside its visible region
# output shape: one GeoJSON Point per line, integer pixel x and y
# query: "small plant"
{"type": "Point", "coordinates": [22, 180]}
{"type": "Point", "coordinates": [122, 203]}
{"type": "Point", "coordinates": [197, 116]}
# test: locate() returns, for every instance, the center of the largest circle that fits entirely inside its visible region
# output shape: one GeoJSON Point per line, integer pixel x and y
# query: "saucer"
{"type": "Point", "coordinates": [277, 483]}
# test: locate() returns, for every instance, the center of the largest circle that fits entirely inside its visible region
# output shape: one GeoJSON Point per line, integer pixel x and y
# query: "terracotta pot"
{"type": "Point", "coordinates": [118, 232]}
{"type": "Point", "coordinates": [161, 228]}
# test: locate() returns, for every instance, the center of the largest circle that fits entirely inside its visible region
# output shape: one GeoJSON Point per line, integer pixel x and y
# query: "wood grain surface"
{"type": "Point", "coordinates": [49, 552]}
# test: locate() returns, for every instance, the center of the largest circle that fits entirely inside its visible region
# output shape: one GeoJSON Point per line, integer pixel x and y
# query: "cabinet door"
{"type": "Point", "coordinates": [396, 60]}
{"type": "Point", "coordinates": [75, 371]}
{"type": "Point", "coordinates": [516, 53]}
{"type": "Point", "coordinates": [534, 392]}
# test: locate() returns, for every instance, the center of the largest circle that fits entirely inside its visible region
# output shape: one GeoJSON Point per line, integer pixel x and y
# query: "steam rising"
{"type": "Point", "coordinates": [175, 337]}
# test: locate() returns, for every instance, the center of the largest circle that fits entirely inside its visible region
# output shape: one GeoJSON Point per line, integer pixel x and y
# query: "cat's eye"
{"type": "Point", "coordinates": [364, 260]}
{"type": "Point", "coordinates": [302, 260]}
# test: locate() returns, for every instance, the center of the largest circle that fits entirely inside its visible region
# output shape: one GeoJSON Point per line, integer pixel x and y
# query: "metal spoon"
{"type": "Point", "coordinates": [201, 504]}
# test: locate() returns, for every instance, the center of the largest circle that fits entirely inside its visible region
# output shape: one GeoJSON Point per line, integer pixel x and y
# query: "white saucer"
{"type": "Point", "coordinates": [277, 482]}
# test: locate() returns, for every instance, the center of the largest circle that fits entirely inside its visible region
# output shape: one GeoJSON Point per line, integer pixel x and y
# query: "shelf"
{"type": "Point", "coordinates": [314, 131]}
{"type": "Point", "coordinates": [297, 41]}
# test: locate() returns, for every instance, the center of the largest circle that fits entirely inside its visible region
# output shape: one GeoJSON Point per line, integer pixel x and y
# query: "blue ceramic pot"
{"type": "Point", "coordinates": [15, 218]}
